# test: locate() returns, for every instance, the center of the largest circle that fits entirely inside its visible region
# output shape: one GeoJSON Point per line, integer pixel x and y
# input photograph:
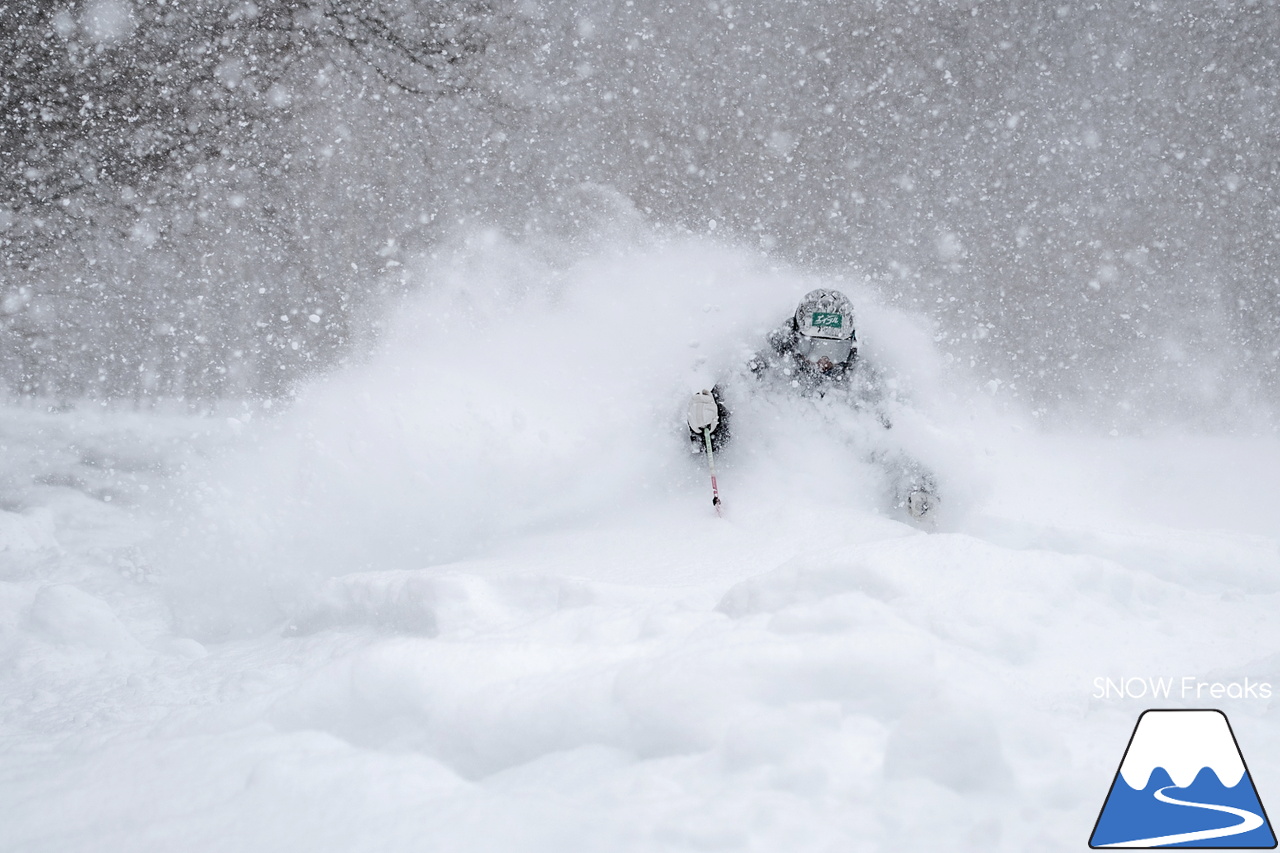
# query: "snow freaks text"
{"type": "Point", "coordinates": [1184, 687]}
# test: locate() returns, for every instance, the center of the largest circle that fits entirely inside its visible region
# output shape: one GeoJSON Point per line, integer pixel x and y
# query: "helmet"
{"type": "Point", "coordinates": [825, 314]}
{"type": "Point", "coordinates": [824, 321]}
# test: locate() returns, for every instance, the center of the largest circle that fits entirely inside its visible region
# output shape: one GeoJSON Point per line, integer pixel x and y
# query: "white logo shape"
{"type": "Point", "coordinates": [1183, 782]}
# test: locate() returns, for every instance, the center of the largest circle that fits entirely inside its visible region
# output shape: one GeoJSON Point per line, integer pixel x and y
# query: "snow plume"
{"type": "Point", "coordinates": [525, 386]}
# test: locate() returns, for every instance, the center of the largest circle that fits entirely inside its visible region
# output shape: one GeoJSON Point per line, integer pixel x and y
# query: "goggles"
{"type": "Point", "coordinates": [816, 349]}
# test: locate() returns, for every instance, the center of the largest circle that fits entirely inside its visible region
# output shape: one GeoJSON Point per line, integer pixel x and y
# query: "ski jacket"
{"type": "Point", "coordinates": [781, 365]}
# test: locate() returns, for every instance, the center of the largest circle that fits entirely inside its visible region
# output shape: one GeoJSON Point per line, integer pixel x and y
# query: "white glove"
{"type": "Point", "coordinates": [703, 413]}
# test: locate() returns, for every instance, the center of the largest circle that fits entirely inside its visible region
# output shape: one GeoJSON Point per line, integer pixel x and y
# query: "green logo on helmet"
{"type": "Point", "coordinates": [827, 320]}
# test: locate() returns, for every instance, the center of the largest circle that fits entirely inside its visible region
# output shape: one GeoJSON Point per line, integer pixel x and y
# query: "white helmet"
{"type": "Point", "coordinates": [825, 323]}
{"type": "Point", "coordinates": [825, 314]}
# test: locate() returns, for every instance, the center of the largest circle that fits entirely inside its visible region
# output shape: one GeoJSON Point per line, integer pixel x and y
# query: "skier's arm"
{"type": "Point", "coordinates": [781, 341]}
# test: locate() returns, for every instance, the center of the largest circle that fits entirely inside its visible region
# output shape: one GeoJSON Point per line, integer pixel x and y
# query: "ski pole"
{"type": "Point", "coordinates": [711, 461]}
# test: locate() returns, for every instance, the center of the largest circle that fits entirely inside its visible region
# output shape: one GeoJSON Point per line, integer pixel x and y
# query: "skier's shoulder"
{"type": "Point", "coordinates": [782, 339]}
{"type": "Point", "coordinates": [779, 345]}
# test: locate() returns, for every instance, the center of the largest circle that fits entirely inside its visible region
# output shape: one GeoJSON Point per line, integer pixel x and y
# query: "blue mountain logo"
{"type": "Point", "coordinates": [1183, 783]}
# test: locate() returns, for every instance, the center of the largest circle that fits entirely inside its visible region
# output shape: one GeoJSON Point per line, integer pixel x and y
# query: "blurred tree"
{"type": "Point", "coordinates": [127, 126]}
{"type": "Point", "coordinates": [199, 198]}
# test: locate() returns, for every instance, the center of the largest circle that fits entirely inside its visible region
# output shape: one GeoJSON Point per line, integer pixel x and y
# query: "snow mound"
{"type": "Point", "coordinates": [63, 614]}
{"type": "Point", "coordinates": [27, 532]}
{"type": "Point", "coordinates": [425, 603]}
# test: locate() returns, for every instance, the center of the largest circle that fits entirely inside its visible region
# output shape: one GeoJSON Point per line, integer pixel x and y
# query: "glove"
{"type": "Point", "coordinates": [703, 413]}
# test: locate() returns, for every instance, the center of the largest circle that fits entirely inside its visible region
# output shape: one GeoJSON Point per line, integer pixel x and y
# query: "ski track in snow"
{"type": "Point", "coordinates": [421, 613]}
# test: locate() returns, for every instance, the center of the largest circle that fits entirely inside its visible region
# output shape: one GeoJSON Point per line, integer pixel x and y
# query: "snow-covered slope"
{"type": "Point", "coordinates": [469, 595]}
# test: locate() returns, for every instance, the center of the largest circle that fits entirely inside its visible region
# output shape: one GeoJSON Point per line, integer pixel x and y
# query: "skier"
{"type": "Point", "coordinates": [815, 354]}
